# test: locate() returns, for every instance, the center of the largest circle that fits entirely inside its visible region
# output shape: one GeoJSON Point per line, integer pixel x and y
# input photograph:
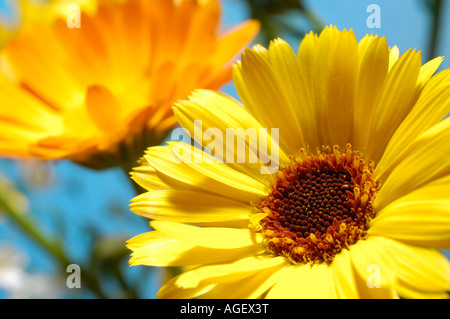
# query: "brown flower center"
{"type": "Point", "coordinates": [318, 205]}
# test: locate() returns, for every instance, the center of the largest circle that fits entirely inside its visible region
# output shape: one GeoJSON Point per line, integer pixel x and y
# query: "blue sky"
{"type": "Point", "coordinates": [83, 195]}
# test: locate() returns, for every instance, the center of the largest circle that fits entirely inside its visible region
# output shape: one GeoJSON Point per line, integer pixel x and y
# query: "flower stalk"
{"type": "Point", "coordinates": [51, 245]}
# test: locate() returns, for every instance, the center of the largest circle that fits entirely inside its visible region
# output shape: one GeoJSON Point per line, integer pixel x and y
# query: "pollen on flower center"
{"type": "Point", "coordinates": [318, 205]}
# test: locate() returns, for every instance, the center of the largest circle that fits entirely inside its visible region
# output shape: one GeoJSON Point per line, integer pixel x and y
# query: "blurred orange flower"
{"type": "Point", "coordinates": [100, 94]}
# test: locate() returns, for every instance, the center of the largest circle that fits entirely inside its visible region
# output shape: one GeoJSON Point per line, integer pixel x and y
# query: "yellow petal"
{"type": "Point", "coordinates": [420, 218]}
{"type": "Point", "coordinates": [373, 72]}
{"type": "Point", "coordinates": [307, 64]}
{"type": "Point", "coordinates": [150, 179]}
{"type": "Point", "coordinates": [365, 42]}
{"type": "Point", "coordinates": [336, 82]}
{"type": "Point", "coordinates": [251, 287]}
{"type": "Point", "coordinates": [425, 163]}
{"type": "Point", "coordinates": [14, 149]}
{"type": "Point", "coordinates": [424, 270]}
{"type": "Point", "coordinates": [263, 95]}
{"type": "Point", "coordinates": [397, 265]}
{"type": "Point", "coordinates": [191, 207]}
{"type": "Point", "coordinates": [195, 281]}
{"type": "Point", "coordinates": [239, 36]}
{"type": "Point", "coordinates": [29, 122]}
{"type": "Point", "coordinates": [212, 177]}
{"type": "Point", "coordinates": [207, 165]}
{"type": "Point", "coordinates": [344, 277]}
{"type": "Point", "coordinates": [393, 56]}
{"type": "Point", "coordinates": [431, 107]}
{"type": "Point", "coordinates": [427, 70]}
{"type": "Point", "coordinates": [287, 70]}
{"type": "Point", "coordinates": [304, 282]}
{"type": "Point", "coordinates": [103, 108]}
{"type": "Point", "coordinates": [212, 237]}
{"type": "Point", "coordinates": [51, 77]}
{"type": "Point", "coordinates": [190, 33]}
{"type": "Point", "coordinates": [158, 249]}
{"type": "Point", "coordinates": [394, 103]}
{"type": "Point", "coordinates": [375, 268]}
{"type": "Point", "coordinates": [411, 293]}
{"type": "Point", "coordinates": [230, 133]}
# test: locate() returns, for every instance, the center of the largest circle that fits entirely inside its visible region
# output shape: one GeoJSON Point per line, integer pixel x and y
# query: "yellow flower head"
{"type": "Point", "coordinates": [103, 92]}
{"type": "Point", "coordinates": [357, 203]}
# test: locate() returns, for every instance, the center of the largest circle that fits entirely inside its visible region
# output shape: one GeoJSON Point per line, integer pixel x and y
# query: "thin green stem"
{"type": "Point", "coordinates": [50, 245]}
{"type": "Point", "coordinates": [130, 293]}
{"type": "Point", "coordinates": [314, 20]}
{"type": "Point", "coordinates": [436, 11]}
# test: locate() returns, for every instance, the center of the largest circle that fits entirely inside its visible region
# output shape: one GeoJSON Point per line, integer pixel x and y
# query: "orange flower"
{"type": "Point", "coordinates": [102, 93]}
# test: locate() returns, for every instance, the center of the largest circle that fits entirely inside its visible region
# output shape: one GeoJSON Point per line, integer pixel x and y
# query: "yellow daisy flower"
{"type": "Point", "coordinates": [359, 204]}
{"type": "Point", "coordinates": [101, 93]}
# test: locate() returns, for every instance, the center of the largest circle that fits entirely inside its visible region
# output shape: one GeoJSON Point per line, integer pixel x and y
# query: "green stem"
{"type": "Point", "coordinates": [130, 293]}
{"type": "Point", "coordinates": [50, 245]}
{"type": "Point", "coordinates": [314, 20]}
{"type": "Point", "coordinates": [435, 30]}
